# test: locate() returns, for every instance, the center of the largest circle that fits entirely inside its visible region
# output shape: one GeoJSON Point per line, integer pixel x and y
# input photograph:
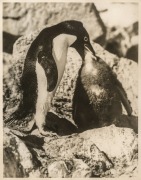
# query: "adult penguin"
{"type": "Point", "coordinates": [44, 67]}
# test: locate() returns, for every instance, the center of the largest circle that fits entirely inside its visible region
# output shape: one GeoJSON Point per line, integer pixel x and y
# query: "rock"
{"type": "Point", "coordinates": [132, 52]}
{"type": "Point", "coordinates": [23, 155]}
{"type": "Point", "coordinates": [101, 149]}
{"type": "Point", "coordinates": [9, 84]}
{"type": "Point", "coordinates": [121, 41]}
{"type": "Point", "coordinates": [122, 33]}
{"type": "Point", "coordinates": [112, 137]}
{"type": "Point", "coordinates": [81, 170]}
{"type": "Point", "coordinates": [103, 152]}
{"type": "Point", "coordinates": [17, 17]}
{"type": "Point", "coordinates": [58, 169]}
{"type": "Point", "coordinates": [18, 161]}
{"type": "Point", "coordinates": [117, 10]}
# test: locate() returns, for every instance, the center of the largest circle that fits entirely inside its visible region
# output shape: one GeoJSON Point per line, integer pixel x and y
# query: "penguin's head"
{"type": "Point", "coordinates": [82, 42]}
{"type": "Point", "coordinates": [78, 37]}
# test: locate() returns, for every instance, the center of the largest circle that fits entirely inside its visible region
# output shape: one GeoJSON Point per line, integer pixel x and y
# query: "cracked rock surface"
{"type": "Point", "coordinates": [18, 16]}
{"type": "Point", "coordinates": [88, 154]}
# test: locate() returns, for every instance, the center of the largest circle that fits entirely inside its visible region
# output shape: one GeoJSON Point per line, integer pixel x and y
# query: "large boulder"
{"type": "Point", "coordinates": [23, 18]}
{"type": "Point", "coordinates": [122, 33]}
{"type": "Point", "coordinates": [103, 152]}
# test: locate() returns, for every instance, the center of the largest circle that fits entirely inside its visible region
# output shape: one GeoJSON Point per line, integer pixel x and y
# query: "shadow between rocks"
{"type": "Point", "coordinates": [63, 127]}
{"type": "Point", "coordinates": [59, 125]}
{"type": "Point", "coordinates": [129, 122]}
{"type": "Point", "coordinates": [8, 42]}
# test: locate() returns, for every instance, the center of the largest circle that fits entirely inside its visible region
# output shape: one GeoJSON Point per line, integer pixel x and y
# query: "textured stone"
{"type": "Point", "coordinates": [107, 140]}
{"type": "Point", "coordinates": [108, 10]}
{"type": "Point", "coordinates": [58, 169]}
{"type": "Point", "coordinates": [23, 18]}
{"type": "Point", "coordinates": [122, 33]}
{"type": "Point", "coordinates": [101, 149]}
{"type": "Point", "coordinates": [81, 169]}
{"type": "Point", "coordinates": [17, 158]}
{"type": "Point", "coordinates": [103, 152]}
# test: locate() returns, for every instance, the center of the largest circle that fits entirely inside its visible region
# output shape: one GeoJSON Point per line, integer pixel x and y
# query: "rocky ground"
{"type": "Point", "coordinates": [104, 152]}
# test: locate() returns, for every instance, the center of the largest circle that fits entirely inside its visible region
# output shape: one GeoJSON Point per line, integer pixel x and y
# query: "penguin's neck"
{"type": "Point", "coordinates": [89, 57]}
{"type": "Point", "coordinates": [59, 51]}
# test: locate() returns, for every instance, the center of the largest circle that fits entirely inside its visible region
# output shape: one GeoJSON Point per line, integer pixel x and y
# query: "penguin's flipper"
{"type": "Point", "coordinates": [48, 64]}
{"type": "Point", "coordinates": [123, 97]}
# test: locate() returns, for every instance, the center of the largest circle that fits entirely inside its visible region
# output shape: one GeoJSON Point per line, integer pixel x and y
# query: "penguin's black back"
{"type": "Point", "coordinates": [41, 50]}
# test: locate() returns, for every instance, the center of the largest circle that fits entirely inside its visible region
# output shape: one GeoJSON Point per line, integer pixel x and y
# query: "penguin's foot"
{"type": "Point", "coordinates": [40, 120]}
{"type": "Point", "coordinates": [47, 133]}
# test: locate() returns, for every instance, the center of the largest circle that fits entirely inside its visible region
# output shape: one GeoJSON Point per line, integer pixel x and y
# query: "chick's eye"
{"type": "Point", "coordinates": [85, 38]}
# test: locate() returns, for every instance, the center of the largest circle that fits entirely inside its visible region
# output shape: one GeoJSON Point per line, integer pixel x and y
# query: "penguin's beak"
{"type": "Point", "coordinates": [83, 48]}
{"type": "Point", "coordinates": [88, 48]}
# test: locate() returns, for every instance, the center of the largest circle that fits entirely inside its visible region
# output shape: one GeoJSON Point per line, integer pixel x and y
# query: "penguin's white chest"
{"type": "Point", "coordinates": [41, 79]}
{"type": "Point", "coordinates": [60, 62]}
{"type": "Point", "coordinates": [44, 97]}
{"type": "Point", "coordinates": [88, 66]}
{"type": "Point", "coordinates": [59, 52]}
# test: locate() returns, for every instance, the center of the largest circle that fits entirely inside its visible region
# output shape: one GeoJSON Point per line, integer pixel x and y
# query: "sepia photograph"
{"type": "Point", "coordinates": [70, 89]}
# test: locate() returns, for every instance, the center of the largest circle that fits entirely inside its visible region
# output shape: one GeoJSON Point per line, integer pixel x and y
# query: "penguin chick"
{"type": "Point", "coordinates": [44, 67]}
{"type": "Point", "coordinates": [104, 92]}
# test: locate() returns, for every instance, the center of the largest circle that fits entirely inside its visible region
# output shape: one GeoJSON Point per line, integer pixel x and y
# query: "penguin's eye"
{"type": "Point", "coordinates": [85, 38]}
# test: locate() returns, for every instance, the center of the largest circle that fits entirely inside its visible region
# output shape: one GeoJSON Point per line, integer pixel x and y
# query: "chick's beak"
{"type": "Point", "coordinates": [83, 48]}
